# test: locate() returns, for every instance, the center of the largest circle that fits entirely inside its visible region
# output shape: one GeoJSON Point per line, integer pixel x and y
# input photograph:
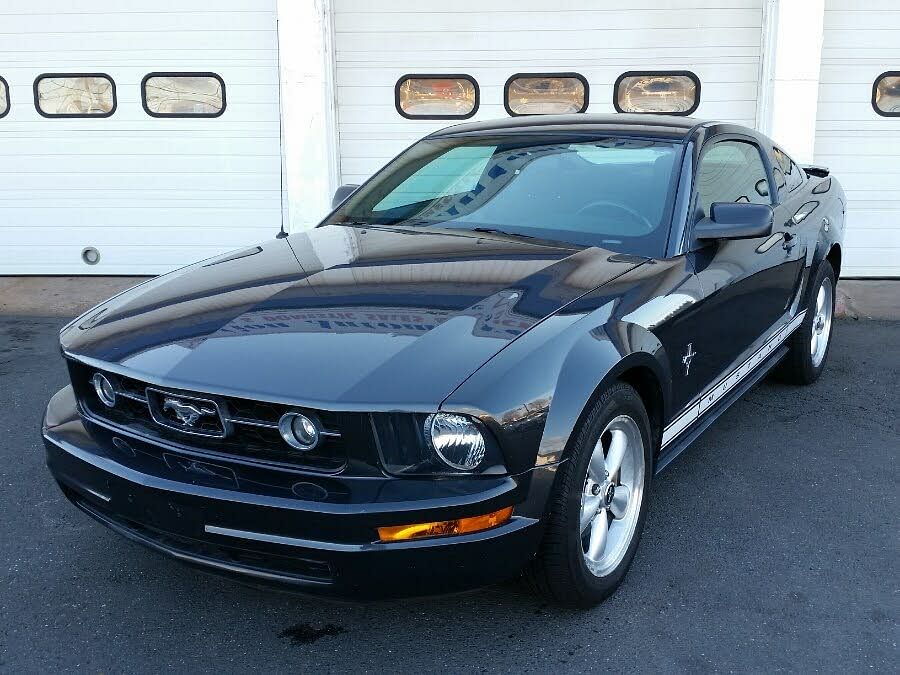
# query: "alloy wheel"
{"type": "Point", "coordinates": [821, 323]}
{"type": "Point", "coordinates": [612, 494]}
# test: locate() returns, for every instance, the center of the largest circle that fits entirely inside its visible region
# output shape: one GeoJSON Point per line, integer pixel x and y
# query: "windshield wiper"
{"type": "Point", "coordinates": [494, 230]}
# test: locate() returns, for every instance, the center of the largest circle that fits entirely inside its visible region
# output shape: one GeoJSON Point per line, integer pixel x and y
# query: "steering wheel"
{"type": "Point", "coordinates": [605, 205]}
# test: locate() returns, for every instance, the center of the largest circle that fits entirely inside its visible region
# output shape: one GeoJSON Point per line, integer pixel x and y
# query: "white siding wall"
{"type": "Point", "coordinates": [377, 41]}
{"type": "Point", "coordinates": [861, 41]}
{"type": "Point", "coordinates": [150, 194]}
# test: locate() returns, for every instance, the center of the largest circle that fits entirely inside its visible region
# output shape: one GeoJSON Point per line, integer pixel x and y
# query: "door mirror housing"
{"type": "Point", "coordinates": [735, 220]}
{"type": "Point", "coordinates": [341, 194]}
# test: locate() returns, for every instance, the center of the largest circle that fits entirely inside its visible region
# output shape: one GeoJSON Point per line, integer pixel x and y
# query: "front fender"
{"type": "Point", "coordinates": [533, 394]}
{"type": "Point", "coordinates": [597, 359]}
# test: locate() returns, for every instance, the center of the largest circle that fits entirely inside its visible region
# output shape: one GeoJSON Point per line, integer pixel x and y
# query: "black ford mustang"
{"type": "Point", "coordinates": [472, 367]}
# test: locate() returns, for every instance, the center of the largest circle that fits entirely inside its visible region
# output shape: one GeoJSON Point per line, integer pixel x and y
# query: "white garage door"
{"type": "Point", "coordinates": [378, 41]}
{"type": "Point", "coordinates": [862, 148]}
{"type": "Point", "coordinates": [149, 194]}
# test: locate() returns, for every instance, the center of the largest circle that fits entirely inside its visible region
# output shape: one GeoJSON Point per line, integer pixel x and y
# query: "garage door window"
{"type": "Point", "coordinates": [545, 94]}
{"type": "Point", "coordinates": [886, 94]}
{"type": "Point", "coordinates": [183, 94]}
{"type": "Point", "coordinates": [673, 92]}
{"type": "Point", "coordinates": [75, 95]}
{"type": "Point", "coordinates": [436, 97]}
{"type": "Point", "coordinates": [4, 97]}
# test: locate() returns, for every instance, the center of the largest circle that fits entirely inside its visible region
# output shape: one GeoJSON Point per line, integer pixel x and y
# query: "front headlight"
{"type": "Point", "coordinates": [455, 439]}
{"type": "Point", "coordinates": [438, 444]}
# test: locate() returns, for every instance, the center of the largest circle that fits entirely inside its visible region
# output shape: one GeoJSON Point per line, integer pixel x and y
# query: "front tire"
{"type": "Point", "coordinates": [808, 347]}
{"type": "Point", "coordinates": [599, 504]}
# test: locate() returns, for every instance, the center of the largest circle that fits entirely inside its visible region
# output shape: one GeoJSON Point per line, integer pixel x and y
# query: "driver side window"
{"type": "Point", "coordinates": [731, 171]}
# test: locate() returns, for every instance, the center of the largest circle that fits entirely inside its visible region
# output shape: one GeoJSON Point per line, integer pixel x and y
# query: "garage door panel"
{"type": "Point", "coordinates": [104, 8]}
{"type": "Point", "coordinates": [861, 40]}
{"type": "Point", "coordinates": [150, 21]}
{"type": "Point", "coordinates": [883, 162]}
{"type": "Point", "coordinates": [377, 76]}
{"type": "Point", "coordinates": [136, 40]}
{"type": "Point", "coordinates": [600, 92]}
{"type": "Point", "coordinates": [864, 237]}
{"type": "Point", "coordinates": [852, 38]}
{"type": "Point", "coordinates": [145, 198]}
{"type": "Point", "coordinates": [126, 76]}
{"type": "Point", "coordinates": [114, 259]}
{"type": "Point", "coordinates": [836, 20]}
{"type": "Point", "coordinates": [145, 165]}
{"type": "Point", "coordinates": [98, 182]}
{"type": "Point", "coordinates": [111, 220]}
{"type": "Point", "coordinates": [425, 41]}
{"type": "Point", "coordinates": [835, 77]}
{"type": "Point", "coordinates": [501, 6]}
{"type": "Point", "coordinates": [848, 110]}
{"type": "Point", "coordinates": [137, 145]}
{"type": "Point", "coordinates": [868, 261]}
{"type": "Point", "coordinates": [130, 114]}
{"type": "Point", "coordinates": [412, 22]}
{"type": "Point", "coordinates": [627, 57]}
{"type": "Point", "coordinates": [869, 181]}
{"type": "Point", "coordinates": [118, 233]}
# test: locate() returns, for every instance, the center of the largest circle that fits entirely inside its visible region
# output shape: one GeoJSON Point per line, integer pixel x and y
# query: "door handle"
{"type": "Point", "coordinates": [788, 241]}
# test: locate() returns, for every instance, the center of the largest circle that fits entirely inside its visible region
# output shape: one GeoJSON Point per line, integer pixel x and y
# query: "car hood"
{"type": "Point", "coordinates": [339, 317]}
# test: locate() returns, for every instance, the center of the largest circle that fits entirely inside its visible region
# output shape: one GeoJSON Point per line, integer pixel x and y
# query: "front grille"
{"type": "Point", "coordinates": [241, 428]}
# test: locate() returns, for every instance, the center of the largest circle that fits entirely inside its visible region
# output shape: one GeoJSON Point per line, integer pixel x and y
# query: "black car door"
{"type": "Point", "coordinates": [747, 284]}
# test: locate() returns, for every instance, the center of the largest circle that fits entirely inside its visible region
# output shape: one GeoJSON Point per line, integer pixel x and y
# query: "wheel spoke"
{"type": "Point", "coordinates": [617, 445]}
{"type": "Point", "coordinates": [597, 469]}
{"type": "Point", "coordinates": [620, 501]}
{"type": "Point", "coordinates": [820, 300]}
{"type": "Point", "coordinates": [599, 530]}
{"type": "Point", "coordinates": [588, 511]}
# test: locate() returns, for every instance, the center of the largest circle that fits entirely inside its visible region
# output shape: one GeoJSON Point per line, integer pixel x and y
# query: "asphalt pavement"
{"type": "Point", "coordinates": [771, 545]}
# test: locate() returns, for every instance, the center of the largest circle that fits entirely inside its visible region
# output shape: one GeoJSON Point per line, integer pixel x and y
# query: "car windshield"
{"type": "Point", "coordinates": [611, 192]}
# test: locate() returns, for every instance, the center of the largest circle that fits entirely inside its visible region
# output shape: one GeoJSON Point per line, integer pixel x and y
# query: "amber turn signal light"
{"type": "Point", "coordinates": [445, 528]}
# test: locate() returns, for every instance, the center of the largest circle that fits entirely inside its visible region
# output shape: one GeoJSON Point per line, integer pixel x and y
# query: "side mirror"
{"type": "Point", "coordinates": [341, 194]}
{"type": "Point", "coordinates": [735, 220]}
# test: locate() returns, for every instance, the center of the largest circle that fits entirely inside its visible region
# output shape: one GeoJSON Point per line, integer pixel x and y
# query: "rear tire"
{"type": "Point", "coordinates": [599, 504]}
{"type": "Point", "coordinates": [808, 347]}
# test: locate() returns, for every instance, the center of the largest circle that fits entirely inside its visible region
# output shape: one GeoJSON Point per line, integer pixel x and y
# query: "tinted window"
{"type": "Point", "coordinates": [609, 192]}
{"type": "Point", "coordinates": [731, 171]}
{"type": "Point", "coordinates": [791, 176]}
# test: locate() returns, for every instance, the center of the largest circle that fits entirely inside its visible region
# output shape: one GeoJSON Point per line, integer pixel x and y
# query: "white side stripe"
{"type": "Point", "coordinates": [729, 381]}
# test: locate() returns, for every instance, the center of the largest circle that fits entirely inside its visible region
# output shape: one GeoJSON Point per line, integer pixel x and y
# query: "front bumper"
{"type": "Point", "coordinates": [313, 534]}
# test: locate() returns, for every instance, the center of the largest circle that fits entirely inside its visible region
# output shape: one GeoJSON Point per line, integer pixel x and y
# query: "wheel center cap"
{"type": "Point", "coordinates": [820, 323]}
{"type": "Point", "coordinates": [609, 494]}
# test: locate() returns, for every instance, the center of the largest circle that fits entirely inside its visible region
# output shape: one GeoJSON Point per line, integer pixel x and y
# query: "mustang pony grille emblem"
{"type": "Point", "coordinates": [187, 413]}
{"type": "Point", "coordinates": [688, 357]}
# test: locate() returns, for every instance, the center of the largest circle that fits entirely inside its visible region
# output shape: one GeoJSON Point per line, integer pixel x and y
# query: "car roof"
{"type": "Point", "coordinates": [655, 126]}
